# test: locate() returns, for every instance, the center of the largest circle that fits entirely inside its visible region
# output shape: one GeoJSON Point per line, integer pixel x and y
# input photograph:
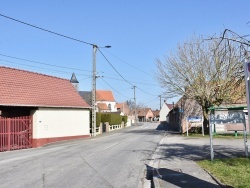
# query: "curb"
{"type": "Point", "coordinates": [217, 181]}
{"type": "Point", "coordinates": [155, 165]}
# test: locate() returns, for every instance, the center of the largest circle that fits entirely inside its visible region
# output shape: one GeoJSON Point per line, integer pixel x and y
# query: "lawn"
{"type": "Point", "coordinates": [232, 172]}
{"type": "Point", "coordinates": [227, 136]}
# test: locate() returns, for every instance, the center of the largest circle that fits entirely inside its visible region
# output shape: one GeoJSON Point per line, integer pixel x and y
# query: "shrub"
{"type": "Point", "coordinates": [113, 119]}
{"type": "Point", "coordinates": [125, 119]}
{"type": "Point", "coordinates": [98, 119]}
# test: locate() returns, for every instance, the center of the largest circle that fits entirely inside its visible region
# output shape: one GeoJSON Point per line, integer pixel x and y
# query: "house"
{"type": "Point", "coordinates": [183, 109]}
{"type": "Point", "coordinates": [156, 115]}
{"type": "Point", "coordinates": [87, 96]}
{"type": "Point", "coordinates": [165, 109]}
{"type": "Point", "coordinates": [105, 100]}
{"type": "Point", "coordinates": [123, 108]}
{"type": "Point", "coordinates": [187, 114]}
{"type": "Point", "coordinates": [144, 114]}
{"type": "Point", "coordinates": [37, 109]}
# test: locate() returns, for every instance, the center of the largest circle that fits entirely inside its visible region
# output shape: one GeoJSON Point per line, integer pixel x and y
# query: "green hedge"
{"type": "Point", "coordinates": [98, 119]}
{"type": "Point", "coordinates": [125, 119]}
{"type": "Point", "coordinates": [113, 119]}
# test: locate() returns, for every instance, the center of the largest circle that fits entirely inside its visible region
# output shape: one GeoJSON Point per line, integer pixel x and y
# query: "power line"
{"type": "Point", "coordinates": [151, 84]}
{"type": "Point", "coordinates": [11, 62]}
{"type": "Point", "coordinates": [120, 74]}
{"type": "Point", "coordinates": [129, 64]}
{"type": "Point", "coordinates": [146, 92]}
{"type": "Point", "coordinates": [114, 89]}
{"type": "Point", "coordinates": [114, 67]}
{"type": "Point", "coordinates": [74, 39]}
{"type": "Point", "coordinates": [37, 62]}
{"type": "Point", "coordinates": [46, 30]}
{"type": "Point", "coordinates": [154, 99]}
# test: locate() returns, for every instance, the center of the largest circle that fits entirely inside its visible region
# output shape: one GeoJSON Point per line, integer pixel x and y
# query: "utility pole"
{"type": "Point", "coordinates": [93, 129]}
{"type": "Point", "coordinates": [135, 107]}
{"type": "Point", "coordinates": [94, 92]}
{"type": "Point", "coordinates": [160, 101]}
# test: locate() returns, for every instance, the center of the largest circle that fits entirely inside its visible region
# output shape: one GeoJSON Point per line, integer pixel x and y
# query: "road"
{"type": "Point", "coordinates": [116, 159]}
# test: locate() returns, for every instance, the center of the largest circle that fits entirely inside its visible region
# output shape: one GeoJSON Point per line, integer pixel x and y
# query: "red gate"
{"type": "Point", "coordinates": [15, 133]}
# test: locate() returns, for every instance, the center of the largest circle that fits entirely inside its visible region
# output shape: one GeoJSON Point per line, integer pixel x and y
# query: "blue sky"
{"type": "Point", "coordinates": [139, 31]}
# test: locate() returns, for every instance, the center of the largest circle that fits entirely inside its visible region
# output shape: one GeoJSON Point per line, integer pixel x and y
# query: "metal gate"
{"type": "Point", "coordinates": [15, 133]}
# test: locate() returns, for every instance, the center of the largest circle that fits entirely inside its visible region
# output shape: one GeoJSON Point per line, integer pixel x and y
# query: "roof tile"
{"type": "Point", "coordinates": [104, 95]}
{"type": "Point", "coordinates": [24, 88]}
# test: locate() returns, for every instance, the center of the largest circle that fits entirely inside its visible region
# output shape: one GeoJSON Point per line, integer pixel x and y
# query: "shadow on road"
{"type": "Point", "coordinates": [196, 152]}
{"type": "Point", "coordinates": [177, 178]}
{"type": "Point", "coordinates": [161, 128]}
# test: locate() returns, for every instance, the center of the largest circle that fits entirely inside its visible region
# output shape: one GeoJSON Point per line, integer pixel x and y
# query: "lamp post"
{"type": "Point", "coordinates": [95, 47]}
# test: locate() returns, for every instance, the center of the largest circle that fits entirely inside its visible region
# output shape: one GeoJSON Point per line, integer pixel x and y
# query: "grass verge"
{"type": "Point", "coordinates": [227, 136]}
{"type": "Point", "coordinates": [232, 172]}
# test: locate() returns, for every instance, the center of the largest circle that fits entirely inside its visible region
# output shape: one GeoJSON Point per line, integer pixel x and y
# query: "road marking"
{"type": "Point", "coordinates": [91, 155]}
{"type": "Point", "coordinates": [110, 146]}
{"type": "Point", "coordinates": [102, 150]}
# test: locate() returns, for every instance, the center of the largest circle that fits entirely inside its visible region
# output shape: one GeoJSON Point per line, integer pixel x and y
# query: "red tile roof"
{"type": "Point", "coordinates": [156, 112]}
{"type": "Point", "coordinates": [104, 95]}
{"type": "Point", "coordinates": [123, 107]}
{"type": "Point", "coordinates": [102, 106]}
{"type": "Point", "coordinates": [24, 88]}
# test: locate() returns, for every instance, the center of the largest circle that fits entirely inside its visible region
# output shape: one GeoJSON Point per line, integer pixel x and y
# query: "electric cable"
{"type": "Point", "coordinates": [46, 30]}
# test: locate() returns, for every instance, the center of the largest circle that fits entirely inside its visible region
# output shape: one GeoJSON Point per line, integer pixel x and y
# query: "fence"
{"type": "Point", "coordinates": [15, 133]}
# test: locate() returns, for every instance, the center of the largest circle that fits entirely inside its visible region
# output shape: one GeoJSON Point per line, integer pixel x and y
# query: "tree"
{"type": "Point", "coordinates": [208, 71]}
{"type": "Point", "coordinates": [131, 105]}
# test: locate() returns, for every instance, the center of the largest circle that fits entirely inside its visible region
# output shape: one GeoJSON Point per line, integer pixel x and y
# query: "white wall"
{"type": "Point", "coordinates": [55, 122]}
{"type": "Point", "coordinates": [113, 105]}
{"type": "Point", "coordinates": [164, 112]}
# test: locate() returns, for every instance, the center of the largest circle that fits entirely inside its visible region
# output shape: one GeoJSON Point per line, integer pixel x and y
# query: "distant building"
{"type": "Point", "coordinates": [165, 109]}
{"type": "Point", "coordinates": [123, 108]}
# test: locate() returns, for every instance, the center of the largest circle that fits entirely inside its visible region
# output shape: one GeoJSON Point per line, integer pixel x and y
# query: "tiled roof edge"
{"type": "Point", "coordinates": [45, 106]}
{"type": "Point", "coordinates": [17, 69]}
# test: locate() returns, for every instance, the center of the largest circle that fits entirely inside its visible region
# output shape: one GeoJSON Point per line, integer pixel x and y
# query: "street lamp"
{"type": "Point", "coordinates": [95, 47]}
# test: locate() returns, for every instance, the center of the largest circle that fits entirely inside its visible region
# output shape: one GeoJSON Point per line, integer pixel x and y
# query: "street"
{"type": "Point", "coordinates": [116, 159]}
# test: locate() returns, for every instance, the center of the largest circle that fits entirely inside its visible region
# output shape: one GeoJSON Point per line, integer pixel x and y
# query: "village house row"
{"type": "Point", "coordinates": [37, 109]}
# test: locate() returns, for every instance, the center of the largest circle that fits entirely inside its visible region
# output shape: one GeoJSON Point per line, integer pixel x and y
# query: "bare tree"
{"type": "Point", "coordinates": [208, 71]}
{"type": "Point", "coordinates": [131, 105]}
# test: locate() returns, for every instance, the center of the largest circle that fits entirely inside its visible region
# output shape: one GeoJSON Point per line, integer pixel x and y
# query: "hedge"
{"type": "Point", "coordinates": [113, 119]}
{"type": "Point", "coordinates": [125, 119]}
{"type": "Point", "coordinates": [98, 119]}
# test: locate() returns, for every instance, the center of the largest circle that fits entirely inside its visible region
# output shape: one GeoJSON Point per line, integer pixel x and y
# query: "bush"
{"type": "Point", "coordinates": [125, 119]}
{"type": "Point", "coordinates": [196, 130]}
{"type": "Point", "coordinates": [98, 119]}
{"type": "Point", "coordinates": [113, 119]}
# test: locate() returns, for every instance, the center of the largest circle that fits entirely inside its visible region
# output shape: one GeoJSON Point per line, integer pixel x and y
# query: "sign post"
{"type": "Point", "coordinates": [247, 83]}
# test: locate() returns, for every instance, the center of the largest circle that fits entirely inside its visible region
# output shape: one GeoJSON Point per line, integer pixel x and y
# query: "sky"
{"type": "Point", "coordinates": [138, 31]}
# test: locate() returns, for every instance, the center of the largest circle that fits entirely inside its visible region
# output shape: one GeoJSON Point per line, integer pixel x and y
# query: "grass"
{"type": "Point", "coordinates": [232, 172]}
{"type": "Point", "coordinates": [225, 135]}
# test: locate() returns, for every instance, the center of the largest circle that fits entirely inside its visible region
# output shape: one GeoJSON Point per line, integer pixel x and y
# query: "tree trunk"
{"type": "Point", "coordinates": [205, 119]}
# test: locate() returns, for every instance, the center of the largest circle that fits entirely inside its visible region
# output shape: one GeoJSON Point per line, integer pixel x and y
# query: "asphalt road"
{"type": "Point", "coordinates": [116, 159]}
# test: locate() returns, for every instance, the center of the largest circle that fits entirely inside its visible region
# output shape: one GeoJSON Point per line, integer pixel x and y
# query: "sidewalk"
{"type": "Point", "coordinates": [174, 165]}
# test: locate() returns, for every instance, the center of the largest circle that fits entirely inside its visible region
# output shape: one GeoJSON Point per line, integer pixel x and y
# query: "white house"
{"type": "Point", "coordinates": [105, 101]}
{"type": "Point", "coordinates": [44, 108]}
{"type": "Point", "coordinates": [165, 109]}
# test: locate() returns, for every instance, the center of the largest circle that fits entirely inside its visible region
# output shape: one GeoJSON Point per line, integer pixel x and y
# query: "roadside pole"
{"type": "Point", "coordinates": [247, 83]}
